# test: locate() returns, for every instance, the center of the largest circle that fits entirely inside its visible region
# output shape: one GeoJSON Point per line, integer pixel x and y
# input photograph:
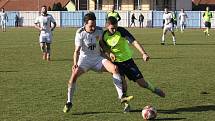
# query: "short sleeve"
{"type": "Point", "coordinates": [36, 20]}
{"type": "Point", "coordinates": [78, 40]}
{"type": "Point", "coordinates": [125, 33]}
{"type": "Point", "coordinates": [52, 19]}
{"type": "Point", "coordinates": [163, 16]}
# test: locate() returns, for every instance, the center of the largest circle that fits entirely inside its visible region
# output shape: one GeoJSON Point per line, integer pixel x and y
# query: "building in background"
{"type": "Point", "coordinates": [132, 4]}
{"type": "Point", "coordinates": [72, 5]}
{"type": "Point", "coordinates": [200, 5]}
{"type": "Point", "coordinates": [29, 5]}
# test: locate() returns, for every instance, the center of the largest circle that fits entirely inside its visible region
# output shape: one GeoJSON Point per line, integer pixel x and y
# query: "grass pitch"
{"type": "Point", "coordinates": [35, 90]}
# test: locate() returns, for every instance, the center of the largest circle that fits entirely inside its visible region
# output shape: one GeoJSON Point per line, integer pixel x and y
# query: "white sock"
{"type": "Point", "coordinates": [173, 39]}
{"type": "Point", "coordinates": [118, 84]}
{"type": "Point", "coordinates": [70, 93]}
{"type": "Point", "coordinates": [163, 39]}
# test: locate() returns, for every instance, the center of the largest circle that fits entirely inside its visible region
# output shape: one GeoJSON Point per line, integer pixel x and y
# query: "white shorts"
{"type": "Point", "coordinates": [3, 22]}
{"type": "Point", "coordinates": [94, 64]}
{"type": "Point", "coordinates": [45, 37]}
{"type": "Point", "coordinates": [182, 22]}
{"type": "Point", "coordinates": [168, 27]}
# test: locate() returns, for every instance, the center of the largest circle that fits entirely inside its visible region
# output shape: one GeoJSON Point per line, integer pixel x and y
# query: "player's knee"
{"type": "Point", "coordinates": [116, 69]}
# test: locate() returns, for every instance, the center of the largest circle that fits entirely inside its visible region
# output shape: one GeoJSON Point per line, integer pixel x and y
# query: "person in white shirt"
{"type": "Point", "coordinates": [87, 56]}
{"type": "Point", "coordinates": [4, 19]}
{"type": "Point", "coordinates": [182, 18]}
{"type": "Point", "coordinates": [45, 23]}
{"type": "Point", "coordinates": [168, 26]}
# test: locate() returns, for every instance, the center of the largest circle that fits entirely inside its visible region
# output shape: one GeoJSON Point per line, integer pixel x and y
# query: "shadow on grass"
{"type": "Point", "coordinates": [7, 71]}
{"type": "Point", "coordinates": [167, 119]}
{"type": "Point", "coordinates": [62, 60]}
{"type": "Point", "coordinates": [197, 44]}
{"type": "Point", "coordinates": [201, 108]}
{"type": "Point", "coordinates": [160, 58]}
{"type": "Point", "coordinates": [91, 113]}
{"type": "Point", "coordinates": [182, 44]}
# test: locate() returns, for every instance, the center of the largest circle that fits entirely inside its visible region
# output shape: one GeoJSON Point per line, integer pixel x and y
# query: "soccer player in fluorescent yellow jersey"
{"type": "Point", "coordinates": [116, 42]}
{"type": "Point", "coordinates": [114, 14]}
{"type": "Point", "coordinates": [207, 20]}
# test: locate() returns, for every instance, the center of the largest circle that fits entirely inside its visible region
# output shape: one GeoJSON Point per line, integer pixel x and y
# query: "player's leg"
{"type": "Point", "coordinates": [43, 49]}
{"type": "Point", "coordinates": [173, 37]}
{"type": "Point", "coordinates": [133, 73]}
{"type": "Point", "coordinates": [206, 31]}
{"type": "Point", "coordinates": [146, 84]}
{"type": "Point", "coordinates": [48, 55]}
{"type": "Point", "coordinates": [71, 88]}
{"type": "Point", "coordinates": [181, 26]}
{"type": "Point", "coordinates": [120, 84]}
{"type": "Point", "coordinates": [110, 67]}
{"type": "Point", "coordinates": [163, 35]}
{"type": "Point", "coordinates": [48, 45]}
{"type": "Point", "coordinates": [4, 26]}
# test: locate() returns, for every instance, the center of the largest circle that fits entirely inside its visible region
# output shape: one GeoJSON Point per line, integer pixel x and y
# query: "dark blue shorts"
{"type": "Point", "coordinates": [129, 69]}
{"type": "Point", "coordinates": [208, 24]}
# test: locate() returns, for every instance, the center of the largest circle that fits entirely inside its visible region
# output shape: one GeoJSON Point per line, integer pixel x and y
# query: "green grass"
{"type": "Point", "coordinates": [34, 90]}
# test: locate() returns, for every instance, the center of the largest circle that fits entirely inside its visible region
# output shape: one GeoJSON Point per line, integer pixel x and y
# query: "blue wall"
{"type": "Point", "coordinates": [75, 19]}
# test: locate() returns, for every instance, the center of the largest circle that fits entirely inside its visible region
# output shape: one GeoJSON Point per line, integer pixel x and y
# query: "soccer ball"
{"type": "Point", "coordinates": [149, 112]}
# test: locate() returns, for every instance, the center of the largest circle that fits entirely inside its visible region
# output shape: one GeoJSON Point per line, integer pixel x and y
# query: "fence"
{"type": "Point", "coordinates": [75, 19]}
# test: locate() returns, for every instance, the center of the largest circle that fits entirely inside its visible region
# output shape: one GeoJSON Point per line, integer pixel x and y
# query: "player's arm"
{"type": "Point", "coordinates": [140, 48]}
{"type": "Point", "coordinates": [54, 25]}
{"type": "Point", "coordinates": [135, 43]}
{"type": "Point", "coordinates": [119, 18]}
{"type": "Point", "coordinates": [6, 17]}
{"type": "Point", "coordinates": [76, 56]}
{"type": "Point", "coordinates": [78, 43]}
{"type": "Point", "coordinates": [37, 26]}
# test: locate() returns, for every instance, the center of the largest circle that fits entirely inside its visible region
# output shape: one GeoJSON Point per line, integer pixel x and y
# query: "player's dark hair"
{"type": "Point", "coordinates": [44, 6]}
{"type": "Point", "coordinates": [89, 16]}
{"type": "Point", "coordinates": [112, 20]}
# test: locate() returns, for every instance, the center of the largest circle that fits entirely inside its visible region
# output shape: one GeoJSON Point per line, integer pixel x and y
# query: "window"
{"type": "Point", "coordinates": [99, 4]}
{"type": "Point", "coordinates": [137, 4]}
{"type": "Point", "coordinates": [117, 4]}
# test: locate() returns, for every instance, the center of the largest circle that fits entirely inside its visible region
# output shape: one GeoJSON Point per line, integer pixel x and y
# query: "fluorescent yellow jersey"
{"type": "Point", "coordinates": [207, 16]}
{"type": "Point", "coordinates": [118, 43]}
{"type": "Point", "coordinates": [115, 15]}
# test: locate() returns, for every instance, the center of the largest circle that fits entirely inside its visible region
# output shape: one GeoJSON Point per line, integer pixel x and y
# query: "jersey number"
{"type": "Point", "coordinates": [92, 47]}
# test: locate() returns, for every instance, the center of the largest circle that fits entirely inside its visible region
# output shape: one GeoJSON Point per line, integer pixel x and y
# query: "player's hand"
{"type": "Point", "coordinates": [112, 57]}
{"type": "Point", "coordinates": [145, 57]}
{"type": "Point", "coordinates": [41, 28]}
{"type": "Point", "coordinates": [74, 67]}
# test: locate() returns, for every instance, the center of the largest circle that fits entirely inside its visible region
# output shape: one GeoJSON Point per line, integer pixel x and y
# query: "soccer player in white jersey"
{"type": "Point", "coordinates": [4, 19]}
{"type": "Point", "coordinates": [182, 18]}
{"type": "Point", "coordinates": [87, 56]}
{"type": "Point", "coordinates": [43, 24]}
{"type": "Point", "coordinates": [168, 26]}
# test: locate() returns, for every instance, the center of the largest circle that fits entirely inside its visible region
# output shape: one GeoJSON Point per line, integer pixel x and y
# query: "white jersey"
{"type": "Point", "coordinates": [3, 16]}
{"type": "Point", "coordinates": [89, 43]}
{"type": "Point", "coordinates": [45, 22]}
{"type": "Point", "coordinates": [182, 16]}
{"type": "Point", "coordinates": [167, 18]}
